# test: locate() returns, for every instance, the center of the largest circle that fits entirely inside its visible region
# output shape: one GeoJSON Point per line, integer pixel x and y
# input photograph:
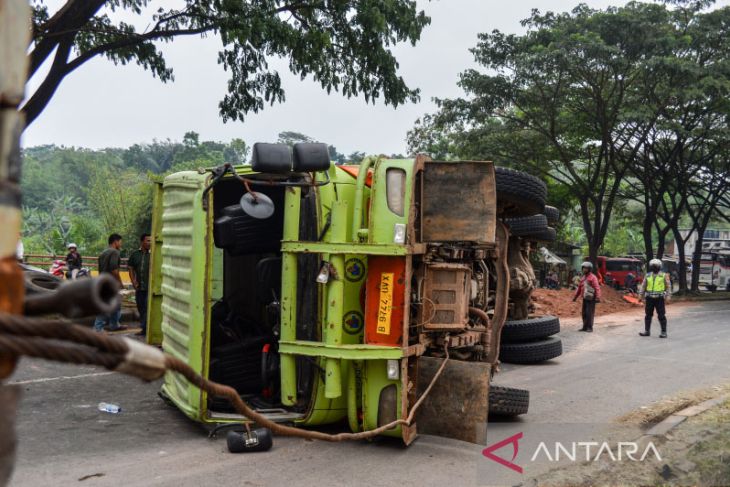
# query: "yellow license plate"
{"type": "Point", "coordinates": [385, 304]}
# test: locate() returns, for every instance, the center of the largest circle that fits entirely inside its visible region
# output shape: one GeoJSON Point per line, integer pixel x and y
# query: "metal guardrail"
{"type": "Point", "coordinates": [45, 261]}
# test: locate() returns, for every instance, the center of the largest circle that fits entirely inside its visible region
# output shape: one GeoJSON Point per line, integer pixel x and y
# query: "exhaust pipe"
{"type": "Point", "coordinates": [75, 299]}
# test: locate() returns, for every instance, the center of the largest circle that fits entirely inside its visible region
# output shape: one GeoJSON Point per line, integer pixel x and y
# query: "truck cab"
{"type": "Point", "coordinates": [328, 294]}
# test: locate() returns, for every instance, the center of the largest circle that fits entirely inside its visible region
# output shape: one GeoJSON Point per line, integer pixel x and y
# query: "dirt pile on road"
{"type": "Point", "coordinates": [560, 302]}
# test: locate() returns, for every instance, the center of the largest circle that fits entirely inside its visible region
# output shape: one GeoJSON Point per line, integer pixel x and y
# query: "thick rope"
{"type": "Point", "coordinates": [62, 330]}
{"type": "Point", "coordinates": [58, 351]}
{"type": "Point", "coordinates": [41, 338]}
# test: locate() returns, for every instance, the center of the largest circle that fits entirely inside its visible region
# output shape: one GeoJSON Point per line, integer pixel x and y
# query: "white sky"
{"type": "Point", "coordinates": [102, 105]}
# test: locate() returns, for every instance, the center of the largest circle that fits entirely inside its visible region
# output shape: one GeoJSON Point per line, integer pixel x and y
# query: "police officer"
{"type": "Point", "coordinates": [655, 290]}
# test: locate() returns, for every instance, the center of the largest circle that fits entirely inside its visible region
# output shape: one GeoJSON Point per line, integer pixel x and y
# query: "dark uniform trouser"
{"type": "Point", "coordinates": [588, 312]}
{"type": "Point", "coordinates": [658, 305]}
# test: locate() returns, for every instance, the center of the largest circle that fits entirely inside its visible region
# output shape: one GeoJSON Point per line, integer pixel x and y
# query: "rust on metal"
{"type": "Point", "coordinates": [501, 303]}
{"type": "Point", "coordinates": [458, 403]}
{"type": "Point", "coordinates": [445, 294]}
{"type": "Point", "coordinates": [522, 277]}
{"type": "Point", "coordinates": [459, 202]}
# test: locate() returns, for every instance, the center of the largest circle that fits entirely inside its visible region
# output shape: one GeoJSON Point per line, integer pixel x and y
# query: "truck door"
{"type": "Point", "coordinates": [154, 307]}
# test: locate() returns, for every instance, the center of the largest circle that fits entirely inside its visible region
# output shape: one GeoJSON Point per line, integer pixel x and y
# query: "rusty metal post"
{"type": "Point", "coordinates": [14, 38]}
{"type": "Point", "coordinates": [502, 297]}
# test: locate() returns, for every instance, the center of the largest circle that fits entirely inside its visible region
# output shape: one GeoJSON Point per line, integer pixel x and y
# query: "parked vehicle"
{"type": "Point", "coordinates": [328, 293]}
{"type": "Point", "coordinates": [714, 270]}
{"type": "Point", "coordinates": [614, 270]}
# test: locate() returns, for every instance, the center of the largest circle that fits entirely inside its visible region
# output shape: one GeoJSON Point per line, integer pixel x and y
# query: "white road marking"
{"type": "Point", "coordinates": [63, 377]}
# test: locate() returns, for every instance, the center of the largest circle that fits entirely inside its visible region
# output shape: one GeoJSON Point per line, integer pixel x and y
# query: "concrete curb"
{"type": "Point", "coordinates": [671, 422]}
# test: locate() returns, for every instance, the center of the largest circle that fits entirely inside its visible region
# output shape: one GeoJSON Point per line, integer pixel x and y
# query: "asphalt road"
{"type": "Point", "coordinates": [65, 440]}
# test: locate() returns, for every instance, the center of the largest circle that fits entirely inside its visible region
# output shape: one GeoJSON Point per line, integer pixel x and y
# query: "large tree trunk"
{"type": "Point", "coordinates": [593, 248]}
{"type": "Point", "coordinates": [679, 242]}
{"type": "Point", "coordinates": [697, 262]}
{"type": "Point", "coordinates": [662, 242]}
{"type": "Point", "coordinates": [646, 232]}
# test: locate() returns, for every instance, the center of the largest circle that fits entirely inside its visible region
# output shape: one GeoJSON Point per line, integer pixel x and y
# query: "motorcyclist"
{"type": "Point", "coordinates": [655, 290]}
{"type": "Point", "coordinates": [73, 261]}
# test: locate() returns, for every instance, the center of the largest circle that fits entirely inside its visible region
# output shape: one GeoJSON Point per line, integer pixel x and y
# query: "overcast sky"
{"type": "Point", "coordinates": [102, 105]}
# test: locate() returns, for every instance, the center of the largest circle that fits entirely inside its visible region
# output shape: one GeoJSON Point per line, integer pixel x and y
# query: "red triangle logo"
{"type": "Point", "coordinates": [514, 441]}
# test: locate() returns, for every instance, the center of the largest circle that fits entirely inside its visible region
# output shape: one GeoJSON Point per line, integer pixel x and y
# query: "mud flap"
{"type": "Point", "coordinates": [458, 404]}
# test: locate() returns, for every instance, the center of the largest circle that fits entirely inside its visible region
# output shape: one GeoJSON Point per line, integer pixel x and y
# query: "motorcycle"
{"type": "Point", "coordinates": [60, 270]}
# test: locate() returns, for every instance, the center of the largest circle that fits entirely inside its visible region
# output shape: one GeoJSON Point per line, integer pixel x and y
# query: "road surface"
{"type": "Point", "coordinates": [64, 439]}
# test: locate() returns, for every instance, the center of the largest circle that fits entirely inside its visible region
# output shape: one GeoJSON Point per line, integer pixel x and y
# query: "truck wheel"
{"type": "Point", "coordinates": [519, 193]}
{"type": "Point", "coordinates": [531, 352]}
{"type": "Point", "coordinates": [508, 401]}
{"type": "Point", "coordinates": [40, 282]}
{"type": "Point", "coordinates": [547, 235]}
{"type": "Point", "coordinates": [527, 225]}
{"type": "Point", "coordinates": [526, 330]}
{"type": "Point", "coordinates": [552, 214]}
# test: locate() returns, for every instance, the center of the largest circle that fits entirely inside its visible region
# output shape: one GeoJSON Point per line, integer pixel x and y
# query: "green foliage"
{"type": "Point", "coordinates": [581, 97]}
{"type": "Point", "coordinates": [344, 45]}
{"type": "Point", "coordinates": [82, 195]}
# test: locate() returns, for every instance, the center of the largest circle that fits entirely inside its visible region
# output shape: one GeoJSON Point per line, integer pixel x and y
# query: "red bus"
{"type": "Point", "coordinates": [613, 270]}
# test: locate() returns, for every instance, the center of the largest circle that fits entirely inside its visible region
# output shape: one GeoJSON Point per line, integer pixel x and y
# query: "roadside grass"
{"type": "Point", "coordinates": [701, 296]}
{"type": "Point", "coordinates": [697, 452]}
{"type": "Point", "coordinates": [712, 456]}
{"type": "Point", "coordinates": [665, 407]}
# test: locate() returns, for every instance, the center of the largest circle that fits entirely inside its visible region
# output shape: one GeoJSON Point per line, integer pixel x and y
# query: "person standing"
{"type": "Point", "coordinates": [590, 290]}
{"type": "Point", "coordinates": [109, 263]}
{"type": "Point", "coordinates": [655, 291]}
{"type": "Point", "coordinates": [139, 273]}
{"type": "Point", "coordinates": [73, 261]}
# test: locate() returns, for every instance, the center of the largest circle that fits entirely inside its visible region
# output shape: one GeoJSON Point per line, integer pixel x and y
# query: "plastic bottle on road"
{"type": "Point", "coordinates": [109, 408]}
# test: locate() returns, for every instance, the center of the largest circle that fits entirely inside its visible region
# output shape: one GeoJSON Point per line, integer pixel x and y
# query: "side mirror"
{"type": "Point", "coordinates": [276, 158]}
{"type": "Point", "coordinates": [310, 157]}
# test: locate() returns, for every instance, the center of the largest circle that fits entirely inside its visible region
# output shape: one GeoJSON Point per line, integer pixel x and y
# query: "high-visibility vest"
{"type": "Point", "coordinates": [655, 283]}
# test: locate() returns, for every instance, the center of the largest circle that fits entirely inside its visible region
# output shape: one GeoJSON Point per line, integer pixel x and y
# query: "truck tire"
{"type": "Point", "coordinates": [547, 235]}
{"type": "Point", "coordinates": [552, 214]}
{"type": "Point", "coordinates": [519, 193]}
{"type": "Point", "coordinates": [508, 401]}
{"type": "Point", "coordinates": [527, 225]}
{"type": "Point", "coordinates": [531, 352]}
{"type": "Point", "coordinates": [526, 330]}
{"type": "Point", "coordinates": [40, 282]}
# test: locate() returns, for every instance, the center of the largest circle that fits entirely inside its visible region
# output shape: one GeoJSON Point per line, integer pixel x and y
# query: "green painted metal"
{"type": "Point", "coordinates": [335, 313]}
{"type": "Point", "coordinates": [154, 305]}
{"type": "Point", "coordinates": [292, 201]}
{"type": "Point", "coordinates": [374, 380]}
{"type": "Point", "coordinates": [344, 352]}
{"type": "Point", "coordinates": [185, 307]}
{"type": "Point", "coordinates": [344, 248]}
{"type": "Point", "coordinates": [191, 279]}
{"type": "Point", "coordinates": [382, 223]}
{"type": "Point", "coordinates": [357, 209]}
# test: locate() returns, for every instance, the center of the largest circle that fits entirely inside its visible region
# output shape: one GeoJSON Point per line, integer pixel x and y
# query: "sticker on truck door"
{"type": "Point", "coordinates": [385, 304]}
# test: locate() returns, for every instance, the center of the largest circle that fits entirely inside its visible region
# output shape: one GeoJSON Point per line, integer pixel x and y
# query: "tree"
{"type": "Point", "coordinates": [572, 100]}
{"type": "Point", "coordinates": [344, 45]}
{"type": "Point", "coordinates": [691, 130]}
{"type": "Point", "coordinates": [290, 138]}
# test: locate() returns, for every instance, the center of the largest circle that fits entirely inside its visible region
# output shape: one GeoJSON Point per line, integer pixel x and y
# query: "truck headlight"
{"type": "Point", "coordinates": [395, 184]}
{"type": "Point", "coordinates": [399, 233]}
{"type": "Point", "coordinates": [393, 369]}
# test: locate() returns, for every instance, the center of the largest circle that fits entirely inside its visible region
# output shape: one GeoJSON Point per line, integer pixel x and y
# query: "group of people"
{"type": "Point", "coordinates": [656, 290]}
{"type": "Point", "coordinates": [138, 266]}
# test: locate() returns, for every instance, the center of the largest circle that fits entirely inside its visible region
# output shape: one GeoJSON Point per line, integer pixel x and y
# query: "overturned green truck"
{"type": "Point", "coordinates": [332, 294]}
